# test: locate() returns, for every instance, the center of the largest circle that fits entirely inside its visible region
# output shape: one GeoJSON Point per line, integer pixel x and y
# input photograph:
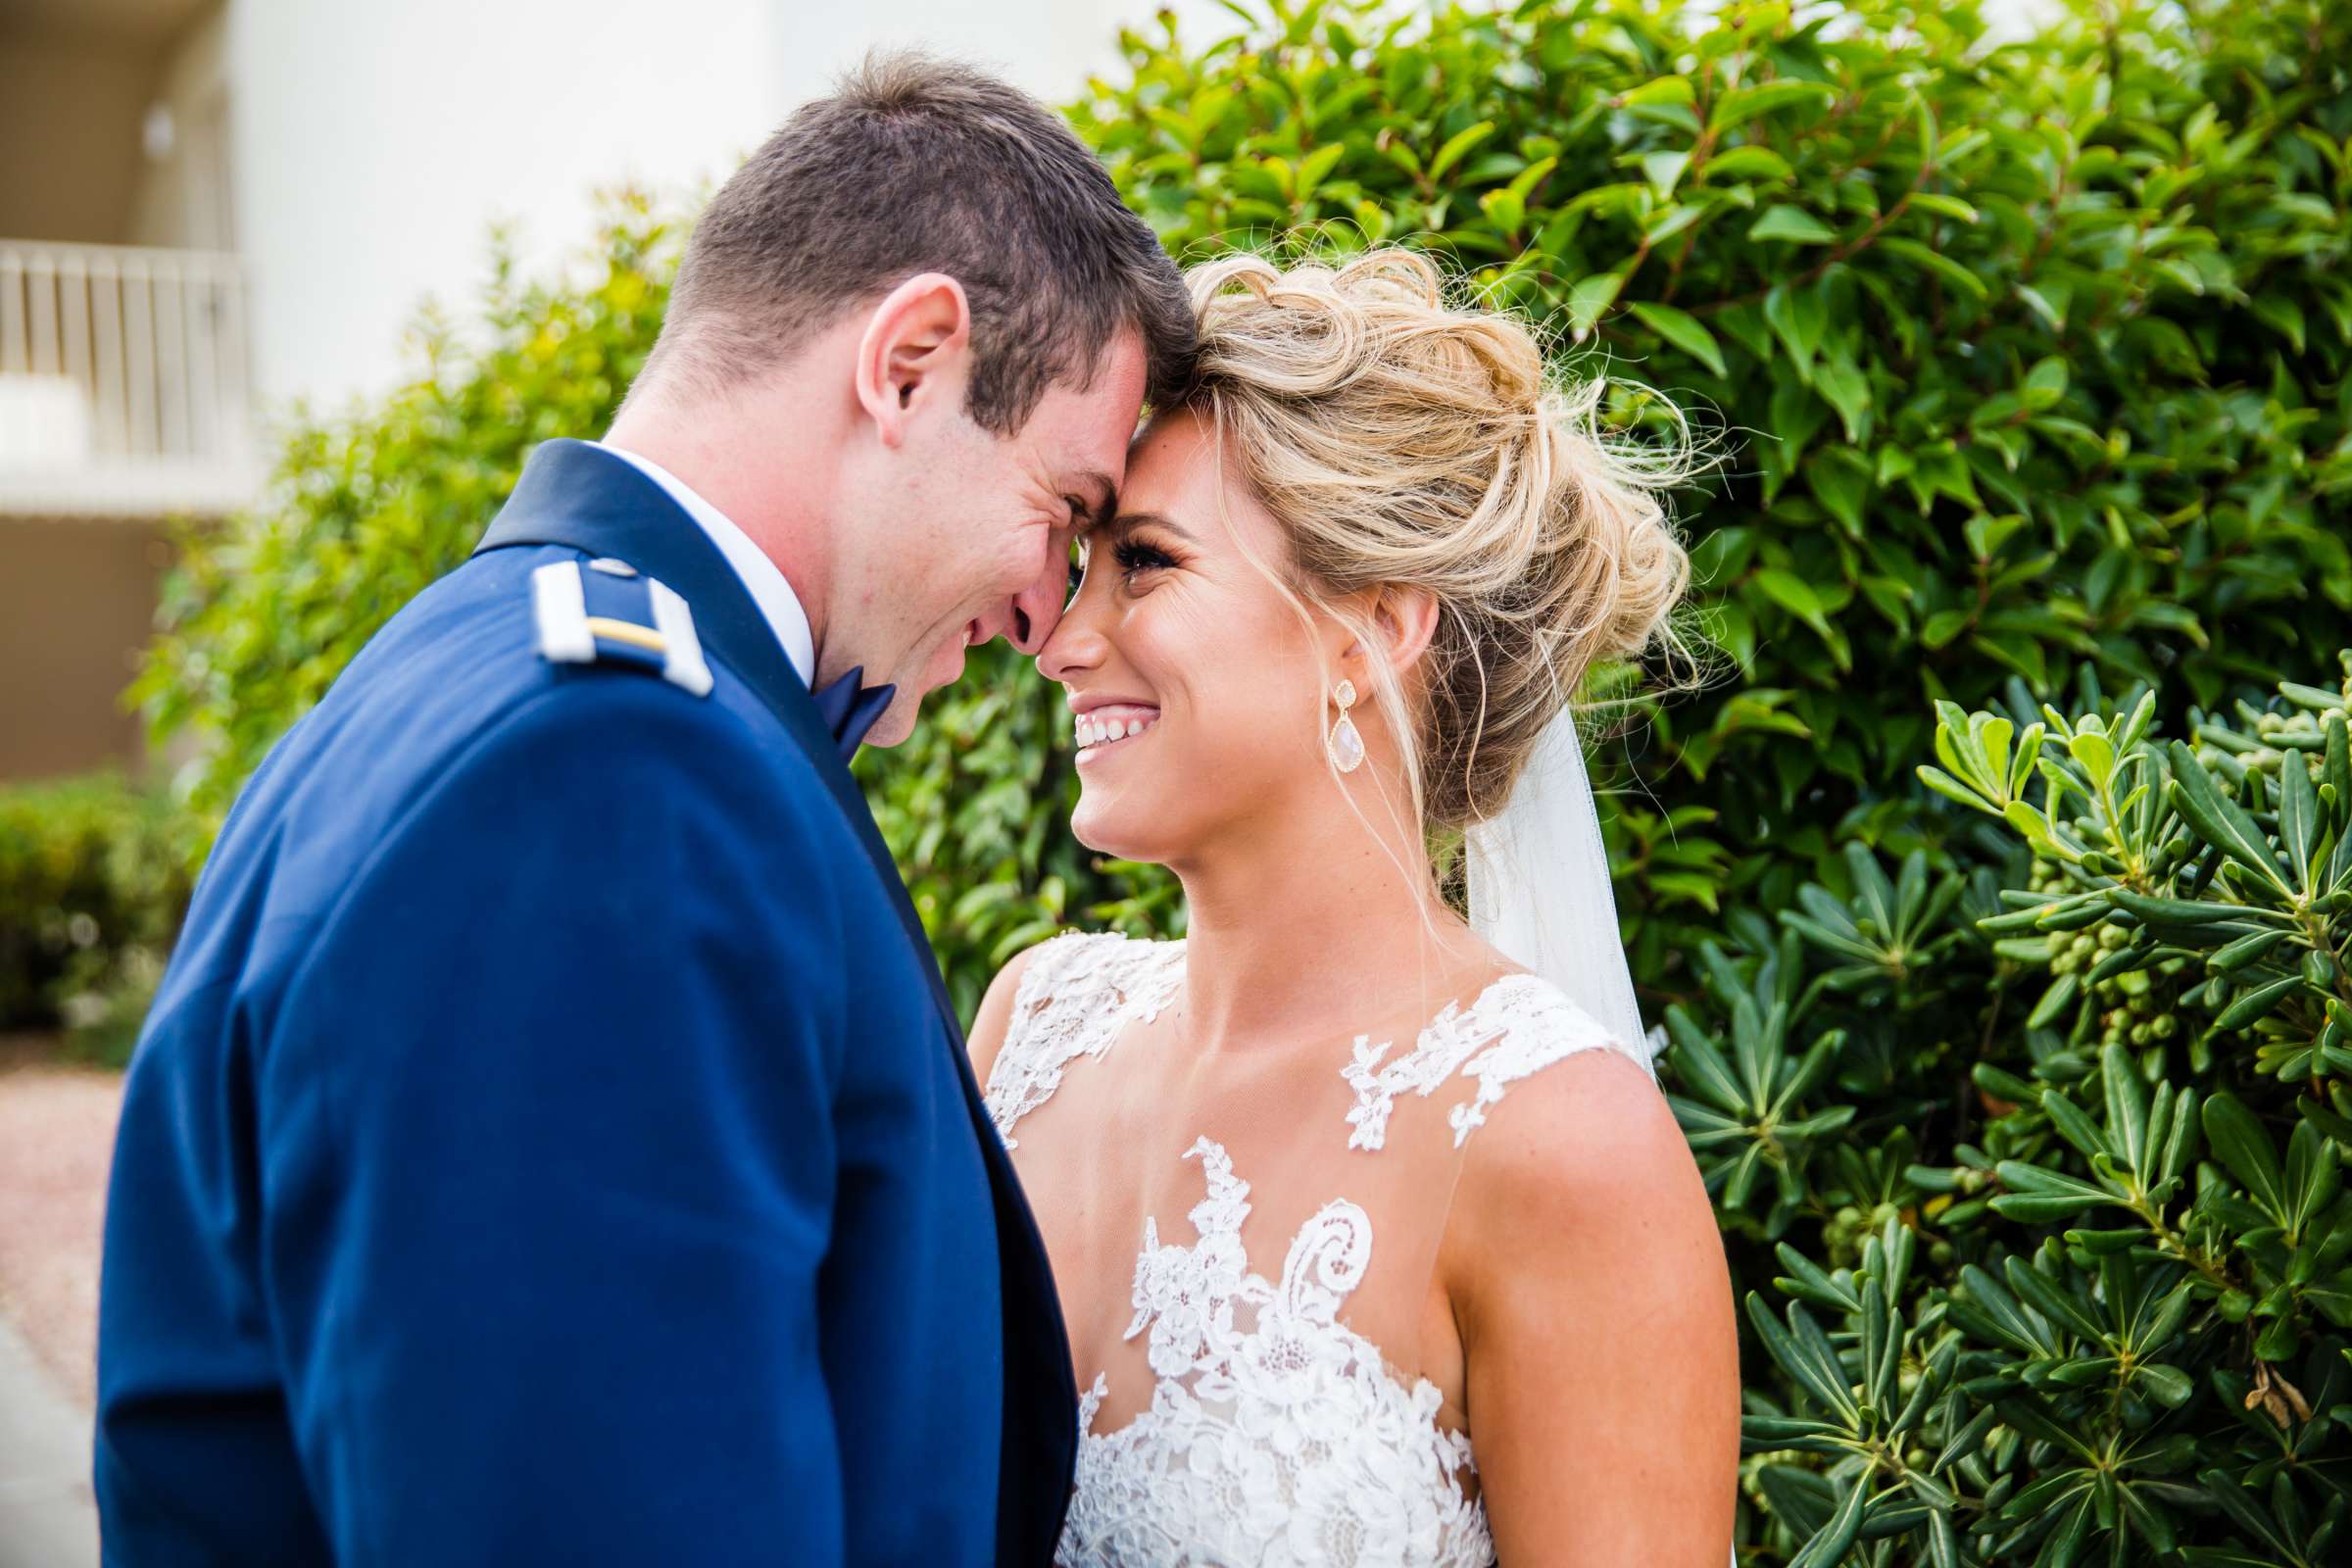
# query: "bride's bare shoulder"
{"type": "Point", "coordinates": [1583, 1267]}
{"type": "Point", "coordinates": [1580, 1183]}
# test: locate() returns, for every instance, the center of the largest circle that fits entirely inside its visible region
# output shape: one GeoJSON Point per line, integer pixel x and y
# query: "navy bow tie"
{"type": "Point", "coordinates": [850, 710]}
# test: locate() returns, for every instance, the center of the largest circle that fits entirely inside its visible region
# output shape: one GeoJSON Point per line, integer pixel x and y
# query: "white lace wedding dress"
{"type": "Point", "coordinates": [1262, 1398]}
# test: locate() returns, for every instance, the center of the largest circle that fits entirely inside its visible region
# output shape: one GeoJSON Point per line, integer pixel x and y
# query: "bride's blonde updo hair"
{"type": "Point", "coordinates": [1402, 440]}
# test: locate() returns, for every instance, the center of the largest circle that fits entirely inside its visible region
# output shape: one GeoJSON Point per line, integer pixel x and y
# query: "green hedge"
{"type": "Point", "coordinates": [95, 873]}
{"type": "Point", "coordinates": [2031, 361]}
{"type": "Point", "coordinates": [2084, 1289]}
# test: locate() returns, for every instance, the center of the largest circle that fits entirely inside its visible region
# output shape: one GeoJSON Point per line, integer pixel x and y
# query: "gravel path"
{"type": "Point", "coordinates": [57, 1134]}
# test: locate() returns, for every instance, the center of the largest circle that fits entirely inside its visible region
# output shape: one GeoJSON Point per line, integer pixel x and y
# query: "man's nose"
{"type": "Point", "coordinates": [1037, 608]}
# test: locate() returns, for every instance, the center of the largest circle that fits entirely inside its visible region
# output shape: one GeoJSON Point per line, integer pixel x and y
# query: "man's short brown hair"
{"type": "Point", "coordinates": [917, 165]}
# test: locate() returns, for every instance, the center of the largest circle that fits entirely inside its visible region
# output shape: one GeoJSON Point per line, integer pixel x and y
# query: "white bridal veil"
{"type": "Point", "coordinates": [1539, 883]}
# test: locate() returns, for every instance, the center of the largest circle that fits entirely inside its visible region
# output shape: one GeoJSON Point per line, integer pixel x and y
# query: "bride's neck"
{"type": "Point", "coordinates": [1312, 925]}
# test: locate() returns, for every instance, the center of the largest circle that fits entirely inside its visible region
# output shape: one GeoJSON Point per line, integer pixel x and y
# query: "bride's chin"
{"type": "Point", "coordinates": [1100, 830]}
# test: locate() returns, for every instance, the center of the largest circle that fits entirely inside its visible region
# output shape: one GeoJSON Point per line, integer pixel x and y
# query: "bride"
{"type": "Point", "coordinates": [1374, 1246]}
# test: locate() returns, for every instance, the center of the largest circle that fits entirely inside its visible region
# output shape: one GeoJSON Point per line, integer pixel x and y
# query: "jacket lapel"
{"type": "Point", "coordinates": [575, 495]}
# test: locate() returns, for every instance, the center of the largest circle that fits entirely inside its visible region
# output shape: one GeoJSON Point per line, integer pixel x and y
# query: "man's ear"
{"type": "Point", "coordinates": [916, 350]}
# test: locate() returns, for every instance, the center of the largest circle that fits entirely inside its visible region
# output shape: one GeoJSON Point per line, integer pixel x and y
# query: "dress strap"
{"type": "Point", "coordinates": [1078, 990]}
{"type": "Point", "coordinates": [1516, 1027]}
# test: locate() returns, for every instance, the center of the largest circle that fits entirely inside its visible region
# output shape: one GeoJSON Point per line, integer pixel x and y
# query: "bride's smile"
{"type": "Point", "coordinates": [1101, 726]}
{"type": "Point", "coordinates": [1179, 638]}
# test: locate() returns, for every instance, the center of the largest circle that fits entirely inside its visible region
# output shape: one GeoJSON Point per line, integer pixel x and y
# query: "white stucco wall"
{"type": "Point", "coordinates": [373, 145]}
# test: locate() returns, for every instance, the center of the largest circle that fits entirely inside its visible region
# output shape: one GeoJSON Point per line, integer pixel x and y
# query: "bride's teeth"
{"type": "Point", "coordinates": [1087, 732]}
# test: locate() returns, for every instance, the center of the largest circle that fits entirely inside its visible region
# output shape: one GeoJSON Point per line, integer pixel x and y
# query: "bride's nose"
{"type": "Point", "coordinates": [1077, 644]}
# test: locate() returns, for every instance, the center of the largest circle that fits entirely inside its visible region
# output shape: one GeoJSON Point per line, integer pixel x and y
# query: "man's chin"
{"type": "Point", "coordinates": [943, 669]}
{"type": "Point", "coordinates": [896, 721]}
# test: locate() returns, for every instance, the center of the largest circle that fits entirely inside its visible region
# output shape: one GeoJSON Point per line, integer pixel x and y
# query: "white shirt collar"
{"type": "Point", "coordinates": [761, 577]}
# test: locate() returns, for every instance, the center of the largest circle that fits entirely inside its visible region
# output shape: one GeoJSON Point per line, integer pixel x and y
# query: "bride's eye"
{"type": "Point", "coordinates": [1135, 555]}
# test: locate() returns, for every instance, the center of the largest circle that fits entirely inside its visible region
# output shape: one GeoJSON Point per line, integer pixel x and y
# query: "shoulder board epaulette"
{"type": "Point", "coordinates": [613, 614]}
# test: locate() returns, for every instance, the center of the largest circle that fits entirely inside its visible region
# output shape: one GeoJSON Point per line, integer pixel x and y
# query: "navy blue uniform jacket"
{"type": "Point", "coordinates": [553, 1143]}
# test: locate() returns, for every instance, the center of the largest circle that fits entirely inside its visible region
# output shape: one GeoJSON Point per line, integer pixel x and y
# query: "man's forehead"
{"type": "Point", "coordinates": [1087, 430]}
{"type": "Point", "coordinates": [1105, 407]}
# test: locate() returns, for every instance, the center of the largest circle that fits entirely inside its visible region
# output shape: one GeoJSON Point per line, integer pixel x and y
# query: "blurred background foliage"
{"type": "Point", "coordinates": [96, 873]}
{"type": "Point", "coordinates": [2019, 1082]}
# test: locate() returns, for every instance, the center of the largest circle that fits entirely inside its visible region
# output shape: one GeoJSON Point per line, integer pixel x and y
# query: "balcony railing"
{"type": "Point", "coordinates": [123, 381]}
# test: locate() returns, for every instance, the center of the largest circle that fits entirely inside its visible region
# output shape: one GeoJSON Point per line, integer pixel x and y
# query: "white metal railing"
{"type": "Point", "coordinates": [122, 380]}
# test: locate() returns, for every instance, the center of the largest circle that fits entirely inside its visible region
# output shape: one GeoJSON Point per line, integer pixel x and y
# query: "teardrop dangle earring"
{"type": "Point", "coordinates": [1346, 744]}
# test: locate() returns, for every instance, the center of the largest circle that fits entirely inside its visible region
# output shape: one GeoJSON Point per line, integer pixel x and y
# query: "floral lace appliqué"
{"type": "Point", "coordinates": [1518, 1026]}
{"type": "Point", "coordinates": [1277, 1436]}
{"type": "Point", "coordinates": [1077, 993]}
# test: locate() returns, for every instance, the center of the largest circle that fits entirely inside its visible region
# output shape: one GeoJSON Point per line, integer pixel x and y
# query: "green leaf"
{"type": "Point", "coordinates": [1841, 481]}
{"type": "Point", "coordinates": [2037, 1195]}
{"type": "Point", "coordinates": [2002, 1320]}
{"type": "Point", "coordinates": [1312, 168]}
{"type": "Point", "coordinates": [1951, 207]}
{"type": "Point", "coordinates": [1590, 297]}
{"type": "Point", "coordinates": [1943, 267]}
{"type": "Point", "coordinates": [2181, 912]}
{"type": "Point", "coordinates": [2060, 995]}
{"type": "Point", "coordinates": [1798, 317]}
{"type": "Point", "coordinates": [2040, 305]}
{"type": "Point", "coordinates": [1683, 331]}
{"type": "Point", "coordinates": [2052, 1302]}
{"type": "Point", "coordinates": [2298, 819]}
{"type": "Point", "coordinates": [1807, 1280]}
{"type": "Point", "coordinates": [2219, 821]}
{"type": "Point", "coordinates": [1664, 171]}
{"type": "Point", "coordinates": [2258, 1003]}
{"type": "Point", "coordinates": [2238, 1142]}
{"type": "Point", "coordinates": [1457, 144]}
{"type": "Point", "coordinates": [2313, 1176]}
{"type": "Point", "coordinates": [1792, 224]}
{"type": "Point", "coordinates": [1744, 104]}
{"type": "Point", "coordinates": [2073, 1125]}
{"type": "Point", "coordinates": [2239, 951]}
{"type": "Point", "coordinates": [1827, 1549]}
{"type": "Point", "coordinates": [1703, 1066]}
{"type": "Point", "coordinates": [1660, 90]}
{"type": "Point", "coordinates": [1967, 1440]}
{"type": "Point", "coordinates": [1747, 163]}
{"type": "Point", "coordinates": [1804, 1357]}
{"type": "Point", "coordinates": [1794, 594]}
{"type": "Point", "coordinates": [2126, 1106]}
{"type": "Point", "coordinates": [1849, 392]}
{"type": "Point", "coordinates": [2168, 1386]}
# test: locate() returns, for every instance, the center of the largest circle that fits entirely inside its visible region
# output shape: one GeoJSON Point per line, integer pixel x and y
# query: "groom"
{"type": "Point", "coordinates": [552, 1143]}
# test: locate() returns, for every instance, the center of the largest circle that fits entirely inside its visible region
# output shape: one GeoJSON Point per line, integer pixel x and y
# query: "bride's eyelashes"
{"type": "Point", "coordinates": [1139, 555]}
{"type": "Point", "coordinates": [1135, 556]}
